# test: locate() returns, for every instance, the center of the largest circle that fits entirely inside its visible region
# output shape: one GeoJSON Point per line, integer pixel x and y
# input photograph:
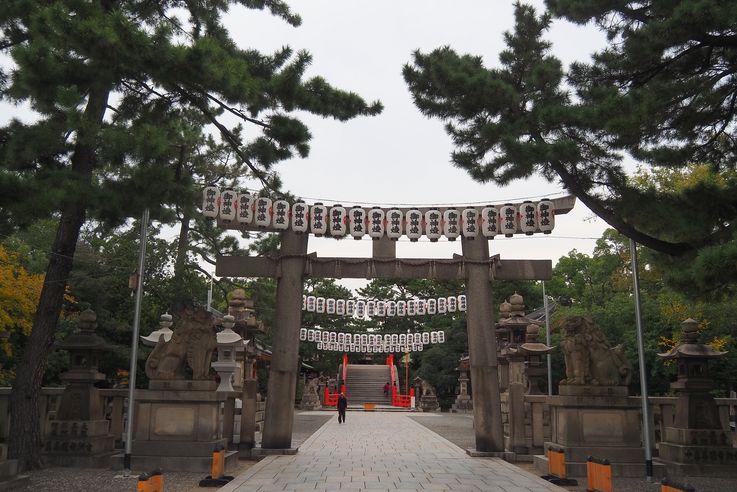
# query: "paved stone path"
{"type": "Point", "coordinates": [383, 451]}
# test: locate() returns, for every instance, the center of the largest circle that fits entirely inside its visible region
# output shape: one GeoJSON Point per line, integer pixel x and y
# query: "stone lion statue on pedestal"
{"type": "Point", "coordinates": [589, 357]}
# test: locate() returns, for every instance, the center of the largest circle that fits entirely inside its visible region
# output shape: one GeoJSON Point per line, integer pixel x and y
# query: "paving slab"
{"type": "Point", "coordinates": [383, 451]}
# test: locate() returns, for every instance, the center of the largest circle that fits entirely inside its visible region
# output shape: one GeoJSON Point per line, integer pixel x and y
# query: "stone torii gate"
{"type": "Point", "coordinates": [475, 267]}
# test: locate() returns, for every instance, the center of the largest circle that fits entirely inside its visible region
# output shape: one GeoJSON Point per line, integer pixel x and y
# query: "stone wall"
{"type": "Point", "coordinates": [537, 421]}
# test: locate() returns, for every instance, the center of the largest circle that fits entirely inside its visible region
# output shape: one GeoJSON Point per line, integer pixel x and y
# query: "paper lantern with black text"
{"type": "Point", "coordinates": [411, 307]}
{"type": "Point", "coordinates": [304, 302]}
{"type": "Point", "coordinates": [413, 227]}
{"type": "Point", "coordinates": [211, 201]}
{"type": "Point", "coordinates": [462, 305]}
{"type": "Point", "coordinates": [280, 220]}
{"type": "Point", "coordinates": [432, 306]}
{"type": "Point", "coordinates": [489, 221]}
{"type": "Point", "coordinates": [401, 308]}
{"type": "Point", "coordinates": [341, 337]}
{"type": "Point", "coordinates": [452, 304]}
{"type": "Point", "coordinates": [319, 219]}
{"type": "Point", "coordinates": [433, 337]}
{"type": "Point", "coordinates": [303, 334]}
{"type": "Point", "coordinates": [442, 305]}
{"type": "Point", "coordinates": [338, 221]}
{"type": "Point", "coordinates": [380, 308]}
{"type": "Point", "coordinates": [425, 337]}
{"type": "Point", "coordinates": [441, 336]}
{"type": "Point", "coordinates": [311, 301]}
{"type": "Point", "coordinates": [357, 222]}
{"type": "Point", "coordinates": [320, 346]}
{"type": "Point", "coordinates": [310, 335]}
{"type": "Point", "coordinates": [546, 216]}
{"type": "Point", "coordinates": [433, 219]}
{"type": "Point", "coordinates": [350, 307]}
{"type": "Point", "coordinates": [376, 223]}
{"type": "Point", "coordinates": [227, 205]}
{"type": "Point", "coordinates": [395, 339]}
{"type": "Point", "coordinates": [300, 220]}
{"type": "Point", "coordinates": [360, 309]}
{"type": "Point", "coordinates": [330, 306]}
{"type": "Point", "coordinates": [371, 308]}
{"type": "Point", "coordinates": [262, 211]}
{"type": "Point", "coordinates": [528, 217]}
{"type": "Point", "coordinates": [508, 218]}
{"type": "Point", "coordinates": [394, 224]}
{"type": "Point", "coordinates": [402, 339]}
{"type": "Point", "coordinates": [244, 214]}
{"type": "Point", "coordinates": [451, 224]}
{"type": "Point", "coordinates": [391, 308]}
{"type": "Point", "coordinates": [470, 223]}
{"type": "Point", "coordinates": [325, 337]}
{"type": "Point", "coordinates": [320, 306]}
{"type": "Point", "coordinates": [340, 307]}
{"type": "Point", "coordinates": [421, 307]}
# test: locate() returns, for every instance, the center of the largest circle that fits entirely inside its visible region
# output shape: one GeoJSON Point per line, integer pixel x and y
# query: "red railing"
{"type": "Point", "coordinates": [399, 400]}
{"type": "Point", "coordinates": [331, 399]}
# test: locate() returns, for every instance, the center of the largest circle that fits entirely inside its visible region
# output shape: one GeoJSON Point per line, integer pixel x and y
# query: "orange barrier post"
{"type": "Point", "coordinates": [217, 477]}
{"type": "Point", "coordinates": [145, 484]}
{"type": "Point", "coordinates": [157, 478]}
{"type": "Point", "coordinates": [598, 475]}
{"type": "Point", "coordinates": [667, 485]}
{"type": "Point", "coordinates": [557, 468]}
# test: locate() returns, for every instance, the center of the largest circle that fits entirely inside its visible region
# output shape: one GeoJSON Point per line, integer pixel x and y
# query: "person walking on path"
{"type": "Point", "coordinates": [342, 405]}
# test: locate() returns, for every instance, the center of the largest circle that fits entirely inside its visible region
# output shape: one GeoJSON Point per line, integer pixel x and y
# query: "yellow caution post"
{"type": "Point", "coordinates": [598, 475]}
{"type": "Point", "coordinates": [667, 485]}
{"type": "Point", "coordinates": [557, 468]}
{"type": "Point", "coordinates": [217, 477]}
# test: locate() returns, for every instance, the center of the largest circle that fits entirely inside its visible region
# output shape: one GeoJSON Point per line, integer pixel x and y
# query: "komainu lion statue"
{"type": "Point", "coordinates": [589, 357]}
{"type": "Point", "coordinates": [192, 344]}
{"type": "Point", "coordinates": [425, 388]}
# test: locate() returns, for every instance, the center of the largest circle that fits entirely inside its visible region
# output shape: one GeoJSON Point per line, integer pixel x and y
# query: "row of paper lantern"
{"type": "Point", "coordinates": [372, 308]}
{"type": "Point", "coordinates": [352, 347]}
{"type": "Point", "coordinates": [370, 340]}
{"type": "Point", "coordinates": [338, 221]}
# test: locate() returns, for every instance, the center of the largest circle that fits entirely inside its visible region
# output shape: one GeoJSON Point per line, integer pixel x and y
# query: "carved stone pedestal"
{"type": "Point", "coordinates": [429, 403]}
{"type": "Point", "coordinates": [177, 427]}
{"type": "Point", "coordinates": [86, 443]}
{"type": "Point", "coordinates": [596, 421]}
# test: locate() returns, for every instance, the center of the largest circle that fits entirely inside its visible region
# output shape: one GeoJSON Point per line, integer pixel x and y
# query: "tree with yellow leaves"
{"type": "Point", "coordinates": [19, 293]}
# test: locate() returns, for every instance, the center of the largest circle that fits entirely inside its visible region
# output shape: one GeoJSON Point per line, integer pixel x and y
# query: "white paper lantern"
{"type": "Point", "coordinates": [357, 222]}
{"type": "Point", "coordinates": [280, 218]}
{"type": "Point", "coordinates": [489, 221]}
{"type": "Point", "coordinates": [433, 228]}
{"type": "Point", "coordinates": [432, 306]}
{"type": "Point", "coordinates": [227, 205]}
{"type": "Point", "coordinates": [413, 227]}
{"type": "Point", "coordinates": [425, 337]}
{"type": "Point", "coordinates": [262, 211]}
{"type": "Point", "coordinates": [394, 223]}
{"type": "Point", "coordinates": [441, 336]}
{"type": "Point", "coordinates": [304, 302]}
{"type": "Point", "coordinates": [350, 307]}
{"type": "Point", "coordinates": [401, 308]}
{"type": "Point", "coordinates": [395, 339]}
{"type": "Point", "coordinates": [319, 219]}
{"type": "Point", "coordinates": [330, 306]}
{"type": "Point", "coordinates": [340, 307]}
{"type": "Point", "coordinates": [418, 338]}
{"type": "Point", "coordinates": [353, 347]}
{"type": "Point", "coordinates": [300, 217]}
{"type": "Point", "coordinates": [380, 308]}
{"type": "Point", "coordinates": [311, 301]}
{"type": "Point", "coordinates": [442, 305]}
{"type": "Point", "coordinates": [245, 208]}
{"type": "Point", "coordinates": [546, 216]}
{"type": "Point", "coordinates": [508, 220]}
{"type": "Point", "coordinates": [320, 346]}
{"type": "Point", "coordinates": [320, 307]}
{"type": "Point", "coordinates": [303, 334]}
{"type": "Point", "coordinates": [419, 348]}
{"type": "Point", "coordinates": [470, 223]}
{"type": "Point", "coordinates": [421, 307]}
{"type": "Point", "coordinates": [371, 308]}
{"type": "Point", "coordinates": [310, 335]}
{"type": "Point", "coordinates": [452, 304]}
{"type": "Point", "coordinates": [411, 307]}
{"type": "Point", "coordinates": [364, 340]}
{"type": "Point", "coordinates": [391, 308]}
{"type": "Point", "coordinates": [211, 201]}
{"type": "Point", "coordinates": [451, 224]}
{"type": "Point", "coordinates": [402, 339]}
{"type": "Point", "coordinates": [433, 337]}
{"type": "Point", "coordinates": [341, 337]}
{"type": "Point", "coordinates": [333, 336]}
{"type": "Point", "coordinates": [325, 337]}
{"type": "Point", "coordinates": [387, 339]}
{"type": "Point", "coordinates": [348, 338]}
{"type": "Point", "coordinates": [338, 220]}
{"type": "Point", "coordinates": [360, 309]}
{"type": "Point", "coordinates": [376, 223]}
{"type": "Point", "coordinates": [528, 217]}
{"type": "Point", "coordinates": [462, 304]}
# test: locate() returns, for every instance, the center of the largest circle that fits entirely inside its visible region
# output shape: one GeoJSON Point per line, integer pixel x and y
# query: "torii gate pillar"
{"type": "Point", "coordinates": [482, 348]}
{"type": "Point", "coordinates": [283, 371]}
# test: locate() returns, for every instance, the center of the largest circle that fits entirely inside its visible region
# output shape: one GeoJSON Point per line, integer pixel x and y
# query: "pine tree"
{"type": "Point", "coordinates": [663, 91]}
{"type": "Point", "coordinates": [104, 78]}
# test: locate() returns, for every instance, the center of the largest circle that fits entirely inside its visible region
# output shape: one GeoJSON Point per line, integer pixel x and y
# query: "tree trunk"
{"type": "Point", "coordinates": [26, 440]}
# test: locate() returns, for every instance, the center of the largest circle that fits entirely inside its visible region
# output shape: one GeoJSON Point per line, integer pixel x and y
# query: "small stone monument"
{"type": "Point", "coordinates": [428, 398]}
{"type": "Point", "coordinates": [697, 443]}
{"type": "Point", "coordinates": [310, 395]}
{"type": "Point", "coordinates": [226, 365]}
{"type": "Point", "coordinates": [79, 434]}
{"type": "Point", "coordinates": [463, 403]}
{"type": "Point", "coordinates": [592, 415]}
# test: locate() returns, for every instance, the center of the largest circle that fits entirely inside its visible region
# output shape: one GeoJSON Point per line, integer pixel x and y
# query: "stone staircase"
{"type": "Point", "coordinates": [365, 384]}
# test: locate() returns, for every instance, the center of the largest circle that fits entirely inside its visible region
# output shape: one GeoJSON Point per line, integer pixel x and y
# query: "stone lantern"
{"type": "Point", "coordinates": [79, 432]}
{"type": "Point", "coordinates": [696, 441]}
{"type": "Point", "coordinates": [535, 369]}
{"type": "Point", "coordinates": [228, 341]}
{"type": "Point", "coordinates": [463, 401]}
{"type": "Point", "coordinates": [164, 330]}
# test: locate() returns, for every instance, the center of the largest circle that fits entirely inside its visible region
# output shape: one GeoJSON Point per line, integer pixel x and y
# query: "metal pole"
{"type": "Point", "coordinates": [641, 360]}
{"type": "Point", "coordinates": [547, 342]}
{"type": "Point", "coordinates": [134, 346]}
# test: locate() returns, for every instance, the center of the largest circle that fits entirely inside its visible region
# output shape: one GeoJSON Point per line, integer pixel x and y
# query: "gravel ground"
{"type": "Point", "coordinates": [458, 429]}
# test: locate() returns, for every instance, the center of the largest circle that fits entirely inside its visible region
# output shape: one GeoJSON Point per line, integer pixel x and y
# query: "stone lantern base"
{"type": "Point", "coordinates": [698, 452]}
{"type": "Point", "coordinates": [429, 403]}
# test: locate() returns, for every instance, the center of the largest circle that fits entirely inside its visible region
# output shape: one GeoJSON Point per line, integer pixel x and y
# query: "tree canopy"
{"type": "Point", "coordinates": [662, 91]}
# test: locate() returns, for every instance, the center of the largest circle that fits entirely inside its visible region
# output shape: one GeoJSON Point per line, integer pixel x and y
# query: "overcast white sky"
{"type": "Point", "coordinates": [401, 157]}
